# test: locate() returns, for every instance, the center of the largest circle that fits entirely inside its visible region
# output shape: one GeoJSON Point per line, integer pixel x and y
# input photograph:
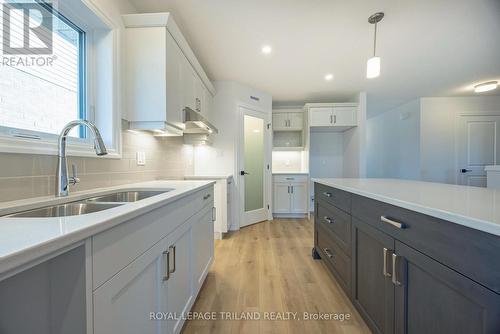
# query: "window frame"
{"type": "Point", "coordinates": [78, 14]}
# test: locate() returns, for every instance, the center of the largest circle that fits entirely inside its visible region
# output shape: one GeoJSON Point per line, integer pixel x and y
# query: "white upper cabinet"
{"type": "Point", "coordinates": [162, 74]}
{"type": "Point", "coordinates": [337, 116]}
{"type": "Point", "coordinates": [288, 121]}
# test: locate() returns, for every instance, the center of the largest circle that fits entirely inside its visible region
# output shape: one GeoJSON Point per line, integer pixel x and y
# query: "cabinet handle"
{"type": "Point", "coordinates": [396, 262]}
{"type": "Point", "coordinates": [386, 252]}
{"type": "Point", "coordinates": [289, 178]}
{"type": "Point", "coordinates": [172, 249]}
{"type": "Point", "coordinates": [214, 214]}
{"type": "Point", "coordinates": [166, 254]}
{"type": "Point", "coordinates": [291, 187]}
{"type": "Point", "coordinates": [392, 222]}
{"type": "Point", "coordinates": [327, 194]}
{"type": "Point", "coordinates": [288, 189]}
{"type": "Point", "coordinates": [334, 119]}
{"type": "Point", "coordinates": [327, 252]}
{"type": "Point", "coordinates": [331, 119]}
{"type": "Point", "coordinates": [328, 220]}
{"type": "Point", "coordinates": [207, 196]}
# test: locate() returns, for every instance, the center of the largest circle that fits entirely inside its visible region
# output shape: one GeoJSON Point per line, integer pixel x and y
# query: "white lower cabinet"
{"type": "Point", "coordinates": [290, 195]}
{"type": "Point", "coordinates": [124, 303]}
{"type": "Point", "coordinates": [153, 292]}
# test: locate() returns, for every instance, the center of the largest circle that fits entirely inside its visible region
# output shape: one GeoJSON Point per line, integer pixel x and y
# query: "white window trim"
{"type": "Point", "coordinates": [47, 145]}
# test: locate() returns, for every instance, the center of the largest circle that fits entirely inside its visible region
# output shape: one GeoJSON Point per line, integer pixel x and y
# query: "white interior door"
{"type": "Point", "coordinates": [253, 165]}
{"type": "Point", "coordinates": [478, 146]}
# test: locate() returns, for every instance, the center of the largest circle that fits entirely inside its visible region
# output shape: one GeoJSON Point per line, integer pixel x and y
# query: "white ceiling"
{"type": "Point", "coordinates": [428, 47]}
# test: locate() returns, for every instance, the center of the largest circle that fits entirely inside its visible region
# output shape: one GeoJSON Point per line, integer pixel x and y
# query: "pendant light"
{"type": "Point", "coordinates": [373, 64]}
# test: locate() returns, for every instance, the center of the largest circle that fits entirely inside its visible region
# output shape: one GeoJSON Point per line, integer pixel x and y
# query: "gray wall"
{"type": "Point", "coordinates": [393, 143]}
{"type": "Point", "coordinates": [26, 175]}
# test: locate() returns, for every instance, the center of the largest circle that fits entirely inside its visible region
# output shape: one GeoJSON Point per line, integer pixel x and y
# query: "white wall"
{"type": "Point", "coordinates": [437, 139]}
{"type": "Point", "coordinates": [354, 163]}
{"type": "Point", "coordinates": [393, 146]}
{"type": "Point", "coordinates": [289, 161]}
{"type": "Point", "coordinates": [418, 139]}
{"type": "Point", "coordinates": [224, 153]}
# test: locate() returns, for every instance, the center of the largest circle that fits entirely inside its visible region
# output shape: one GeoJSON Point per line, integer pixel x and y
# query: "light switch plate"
{"type": "Point", "coordinates": [141, 158]}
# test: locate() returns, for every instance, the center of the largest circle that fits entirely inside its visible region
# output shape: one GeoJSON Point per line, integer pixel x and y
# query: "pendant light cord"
{"type": "Point", "coordinates": [375, 40]}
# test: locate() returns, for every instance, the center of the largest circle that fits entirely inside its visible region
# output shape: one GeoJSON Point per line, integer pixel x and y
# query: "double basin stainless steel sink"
{"type": "Point", "coordinates": [89, 205]}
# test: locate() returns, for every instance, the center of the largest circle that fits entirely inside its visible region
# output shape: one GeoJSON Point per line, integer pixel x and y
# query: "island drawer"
{"type": "Point", "coordinates": [117, 247]}
{"type": "Point", "coordinates": [338, 222]}
{"type": "Point", "coordinates": [335, 259]}
{"type": "Point", "coordinates": [339, 198]}
{"type": "Point", "coordinates": [470, 252]}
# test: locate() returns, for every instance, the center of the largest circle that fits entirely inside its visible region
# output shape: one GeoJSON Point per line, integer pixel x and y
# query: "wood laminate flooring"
{"type": "Point", "coordinates": [267, 267]}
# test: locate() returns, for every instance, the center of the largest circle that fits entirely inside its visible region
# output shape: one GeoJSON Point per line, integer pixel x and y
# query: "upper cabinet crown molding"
{"type": "Point", "coordinates": [166, 20]}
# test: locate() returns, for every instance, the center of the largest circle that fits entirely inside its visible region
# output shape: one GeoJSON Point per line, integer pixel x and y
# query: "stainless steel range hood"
{"type": "Point", "coordinates": [197, 124]}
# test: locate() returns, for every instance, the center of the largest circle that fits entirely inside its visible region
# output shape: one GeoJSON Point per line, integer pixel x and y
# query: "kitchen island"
{"type": "Point", "coordinates": [413, 257]}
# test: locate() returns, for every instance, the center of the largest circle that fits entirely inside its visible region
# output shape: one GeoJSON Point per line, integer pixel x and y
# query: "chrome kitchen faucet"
{"type": "Point", "coordinates": [62, 180]}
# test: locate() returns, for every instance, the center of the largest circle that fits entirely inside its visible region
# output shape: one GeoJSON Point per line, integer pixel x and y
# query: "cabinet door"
{"type": "Point", "coordinates": [203, 247]}
{"type": "Point", "coordinates": [345, 116]}
{"type": "Point", "coordinates": [434, 299]}
{"type": "Point", "coordinates": [175, 64]}
{"type": "Point", "coordinates": [281, 198]}
{"type": "Point", "coordinates": [189, 82]}
{"type": "Point", "coordinates": [179, 285]}
{"type": "Point", "coordinates": [280, 121]}
{"type": "Point", "coordinates": [124, 303]}
{"type": "Point", "coordinates": [372, 290]}
{"type": "Point", "coordinates": [298, 197]}
{"type": "Point", "coordinates": [320, 117]}
{"type": "Point", "coordinates": [296, 120]}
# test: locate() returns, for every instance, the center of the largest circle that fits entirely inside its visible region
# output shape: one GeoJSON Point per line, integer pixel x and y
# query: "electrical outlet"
{"type": "Point", "coordinates": [141, 158]}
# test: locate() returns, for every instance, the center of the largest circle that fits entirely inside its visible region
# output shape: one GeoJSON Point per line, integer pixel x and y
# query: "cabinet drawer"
{"type": "Point", "coordinates": [115, 248]}
{"type": "Point", "coordinates": [470, 252]}
{"type": "Point", "coordinates": [287, 178]}
{"type": "Point", "coordinates": [341, 199]}
{"type": "Point", "coordinates": [338, 263]}
{"type": "Point", "coordinates": [338, 222]}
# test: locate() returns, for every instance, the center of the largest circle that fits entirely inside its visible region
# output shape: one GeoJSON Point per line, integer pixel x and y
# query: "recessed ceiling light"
{"type": "Point", "coordinates": [267, 49]}
{"type": "Point", "coordinates": [329, 77]}
{"type": "Point", "coordinates": [486, 86]}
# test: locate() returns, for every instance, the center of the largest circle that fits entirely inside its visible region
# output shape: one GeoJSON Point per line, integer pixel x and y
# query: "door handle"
{"type": "Point", "coordinates": [242, 172]}
{"type": "Point", "coordinates": [166, 276]}
{"type": "Point", "coordinates": [385, 272]}
{"type": "Point", "coordinates": [171, 249]}
{"type": "Point", "coordinates": [465, 170]}
{"type": "Point", "coordinates": [397, 262]}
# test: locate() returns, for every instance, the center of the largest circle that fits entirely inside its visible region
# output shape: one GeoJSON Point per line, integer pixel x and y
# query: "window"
{"type": "Point", "coordinates": [41, 92]}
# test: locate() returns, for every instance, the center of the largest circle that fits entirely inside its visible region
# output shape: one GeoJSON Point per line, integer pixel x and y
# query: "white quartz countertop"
{"type": "Point", "coordinates": [208, 177]}
{"type": "Point", "coordinates": [474, 207]}
{"type": "Point", "coordinates": [25, 239]}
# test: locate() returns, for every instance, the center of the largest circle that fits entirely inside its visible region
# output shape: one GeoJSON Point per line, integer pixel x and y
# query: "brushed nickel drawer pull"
{"type": "Point", "coordinates": [166, 277]}
{"type": "Point", "coordinates": [207, 196]}
{"type": "Point", "coordinates": [327, 194]}
{"type": "Point", "coordinates": [386, 252]}
{"type": "Point", "coordinates": [172, 249]}
{"type": "Point", "coordinates": [392, 222]}
{"type": "Point", "coordinates": [395, 279]}
{"type": "Point", "coordinates": [328, 220]}
{"type": "Point", "coordinates": [327, 252]}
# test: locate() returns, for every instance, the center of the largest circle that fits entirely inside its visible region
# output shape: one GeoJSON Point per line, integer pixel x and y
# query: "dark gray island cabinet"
{"type": "Point", "coordinates": [407, 272]}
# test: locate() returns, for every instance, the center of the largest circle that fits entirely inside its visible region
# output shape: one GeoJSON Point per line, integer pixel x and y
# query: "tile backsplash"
{"type": "Point", "coordinates": [26, 175]}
